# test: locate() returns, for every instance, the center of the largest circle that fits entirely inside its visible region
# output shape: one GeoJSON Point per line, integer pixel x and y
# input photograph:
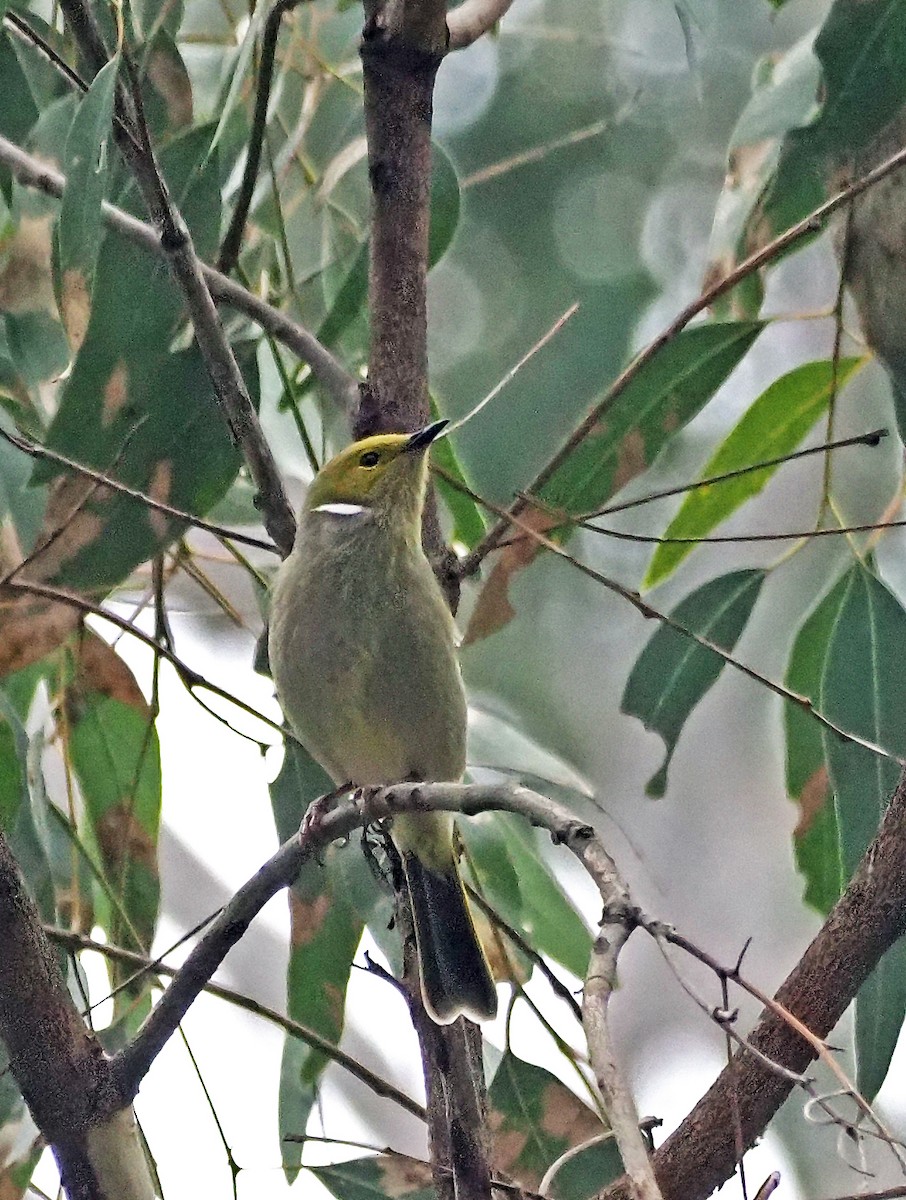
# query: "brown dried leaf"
{"type": "Point", "coordinates": [123, 841]}
{"type": "Point", "coordinates": [30, 628]}
{"type": "Point", "coordinates": [812, 798]}
{"type": "Point", "coordinates": [402, 1176]}
{"type": "Point", "coordinates": [493, 609]}
{"type": "Point", "coordinates": [306, 917]}
{"type": "Point", "coordinates": [100, 669]}
{"type": "Point", "coordinates": [167, 73]}
{"type": "Point", "coordinates": [75, 307]}
{"type": "Point", "coordinates": [26, 282]}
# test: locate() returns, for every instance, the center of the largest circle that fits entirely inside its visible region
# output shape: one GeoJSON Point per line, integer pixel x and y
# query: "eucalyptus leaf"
{"type": "Point", "coordinates": [773, 426]}
{"type": "Point", "coordinates": [816, 838]}
{"type": "Point", "coordinates": [86, 170]}
{"type": "Point", "coordinates": [861, 691]}
{"type": "Point", "coordinates": [326, 931]}
{"type": "Point", "coordinates": [674, 672]}
{"type": "Point", "coordinates": [662, 398]}
{"type": "Point", "coordinates": [537, 1119]}
{"type": "Point", "coordinates": [856, 105]}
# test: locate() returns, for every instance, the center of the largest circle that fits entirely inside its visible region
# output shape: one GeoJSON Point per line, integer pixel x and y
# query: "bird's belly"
{"type": "Point", "coordinates": [372, 708]}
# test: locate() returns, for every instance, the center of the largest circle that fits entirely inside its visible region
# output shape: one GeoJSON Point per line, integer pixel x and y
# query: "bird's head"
{"type": "Point", "coordinates": [382, 474]}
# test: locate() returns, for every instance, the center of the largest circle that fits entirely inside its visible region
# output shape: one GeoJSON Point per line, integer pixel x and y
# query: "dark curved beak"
{"type": "Point", "coordinates": [422, 438]}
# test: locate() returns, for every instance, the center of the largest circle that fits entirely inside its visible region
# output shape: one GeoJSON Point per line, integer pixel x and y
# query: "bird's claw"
{"type": "Point", "coordinates": [317, 811]}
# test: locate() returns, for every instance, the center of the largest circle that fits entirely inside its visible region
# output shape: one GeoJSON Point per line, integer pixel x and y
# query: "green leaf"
{"type": "Point", "coordinates": [353, 291]}
{"type": "Point", "coordinates": [127, 387]}
{"type": "Point", "coordinates": [19, 503]}
{"type": "Point", "coordinates": [468, 524]}
{"type": "Point", "coordinates": [114, 751]}
{"type": "Point", "coordinates": [444, 204]}
{"type": "Point", "coordinates": [536, 1119]}
{"type": "Point", "coordinates": [18, 111]}
{"type": "Point", "coordinates": [773, 426]}
{"type": "Point", "coordinates": [326, 931]}
{"type": "Point", "coordinates": [86, 170]}
{"type": "Point", "coordinates": [862, 49]}
{"type": "Point", "coordinates": [166, 87]}
{"type": "Point", "coordinates": [665, 395]}
{"type": "Point", "coordinates": [784, 91]}
{"type": "Point", "coordinates": [585, 1171]}
{"type": "Point", "coordinates": [387, 1175]}
{"type": "Point", "coordinates": [674, 672]}
{"type": "Point", "coordinates": [37, 346]}
{"type": "Point", "coordinates": [17, 820]}
{"type": "Point", "coordinates": [496, 743]}
{"type": "Point", "coordinates": [349, 300]}
{"type": "Point", "coordinates": [513, 876]}
{"type": "Point", "coordinates": [862, 692]}
{"type": "Point", "coordinates": [816, 840]}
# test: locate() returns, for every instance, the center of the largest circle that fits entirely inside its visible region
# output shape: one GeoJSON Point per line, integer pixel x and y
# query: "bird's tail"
{"type": "Point", "coordinates": [456, 978]}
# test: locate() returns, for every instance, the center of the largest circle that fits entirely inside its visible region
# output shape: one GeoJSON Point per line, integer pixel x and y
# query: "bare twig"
{"type": "Point", "coordinates": [336, 381]}
{"type": "Point", "coordinates": [35, 450]}
{"type": "Point", "coordinates": [557, 986]}
{"type": "Point", "coordinates": [866, 921]}
{"type": "Point", "coordinates": [514, 370]}
{"type": "Point", "coordinates": [651, 613]}
{"type": "Point", "coordinates": [470, 20]}
{"type": "Point", "coordinates": [809, 225]}
{"type": "Point", "coordinates": [145, 965]}
{"type": "Point", "coordinates": [190, 678]}
{"type": "Point", "coordinates": [232, 241]}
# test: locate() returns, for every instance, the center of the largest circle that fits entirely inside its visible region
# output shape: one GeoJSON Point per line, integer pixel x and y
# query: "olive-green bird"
{"type": "Point", "coordinates": [363, 652]}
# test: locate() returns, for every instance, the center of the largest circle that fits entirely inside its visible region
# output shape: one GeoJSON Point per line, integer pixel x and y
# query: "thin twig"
{"type": "Point", "coordinates": [871, 439]}
{"type": "Point", "coordinates": [809, 225]}
{"type": "Point", "coordinates": [802, 535]}
{"type": "Point", "coordinates": [188, 675]}
{"type": "Point", "coordinates": [145, 965]}
{"type": "Point", "coordinates": [514, 370]}
{"type": "Point", "coordinates": [665, 933]}
{"type": "Point", "coordinates": [557, 986]}
{"type": "Point", "coordinates": [232, 241]}
{"type": "Point", "coordinates": [35, 450]}
{"type": "Point", "coordinates": [651, 613]}
{"type": "Point", "coordinates": [472, 19]}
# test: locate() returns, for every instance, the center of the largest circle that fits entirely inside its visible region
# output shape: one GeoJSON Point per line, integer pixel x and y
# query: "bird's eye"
{"type": "Point", "coordinates": [370, 458]}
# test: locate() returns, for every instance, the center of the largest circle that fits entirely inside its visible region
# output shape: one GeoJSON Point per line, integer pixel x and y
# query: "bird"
{"type": "Point", "coordinates": [363, 653]}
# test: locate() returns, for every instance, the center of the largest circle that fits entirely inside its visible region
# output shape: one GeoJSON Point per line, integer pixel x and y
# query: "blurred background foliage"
{"type": "Point", "coordinates": [610, 153]}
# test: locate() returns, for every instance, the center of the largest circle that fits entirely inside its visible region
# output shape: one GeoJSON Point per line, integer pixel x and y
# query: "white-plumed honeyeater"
{"type": "Point", "coordinates": [363, 653]}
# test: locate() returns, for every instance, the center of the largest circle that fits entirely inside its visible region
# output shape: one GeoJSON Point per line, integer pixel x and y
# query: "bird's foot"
{"type": "Point", "coordinates": [318, 810]}
{"type": "Point", "coordinates": [366, 797]}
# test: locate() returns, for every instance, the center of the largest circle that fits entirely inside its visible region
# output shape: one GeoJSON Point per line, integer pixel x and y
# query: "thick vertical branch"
{"type": "Point", "coordinates": [399, 82]}
{"type": "Point", "coordinates": [61, 1069]}
{"type": "Point", "coordinates": [402, 46]}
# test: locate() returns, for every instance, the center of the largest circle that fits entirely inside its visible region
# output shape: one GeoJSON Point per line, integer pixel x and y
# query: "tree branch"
{"type": "Point", "coordinates": [336, 381]}
{"type": "Point", "coordinates": [66, 1080]}
{"type": "Point", "coordinates": [132, 1063]}
{"type": "Point", "coordinates": [472, 19]}
{"type": "Point", "coordinates": [869, 917]}
{"type": "Point", "coordinates": [232, 241]}
{"type": "Point", "coordinates": [807, 227]}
